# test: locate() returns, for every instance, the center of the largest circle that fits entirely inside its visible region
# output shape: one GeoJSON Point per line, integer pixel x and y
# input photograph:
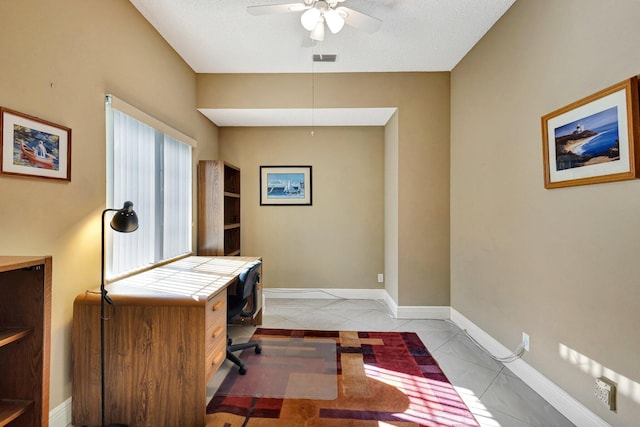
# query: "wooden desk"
{"type": "Point", "coordinates": [164, 341]}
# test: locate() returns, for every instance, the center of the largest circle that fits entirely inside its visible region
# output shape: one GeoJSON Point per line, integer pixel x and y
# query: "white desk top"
{"type": "Point", "coordinates": [194, 278]}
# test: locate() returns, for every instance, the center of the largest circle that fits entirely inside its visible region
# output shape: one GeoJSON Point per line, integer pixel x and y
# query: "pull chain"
{"type": "Point", "coordinates": [313, 98]}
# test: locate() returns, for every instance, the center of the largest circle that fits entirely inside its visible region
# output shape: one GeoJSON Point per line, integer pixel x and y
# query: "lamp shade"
{"type": "Point", "coordinates": [335, 21]}
{"type": "Point", "coordinates": [310, 18]}
{"type": "Point", "coordinates": [125, 220]}
{"type": "Point", "coordinates": [318, 32]}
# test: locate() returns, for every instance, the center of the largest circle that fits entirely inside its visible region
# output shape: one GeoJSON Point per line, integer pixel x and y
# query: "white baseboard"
{"type": "Point", "coordinates": [60, 416]}
{"type": "Point", "coordinates": [324, 293]}
{"type": "Point", "coordinates": [424, 312]}
{"type": "Point", "coordinates": [391, 304]}
{"type": "Point", "coordinates": [575, 411]}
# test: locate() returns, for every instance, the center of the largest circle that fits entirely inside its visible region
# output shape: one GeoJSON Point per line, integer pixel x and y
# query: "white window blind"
{"type": "Point", "coordinates": [152, 169]}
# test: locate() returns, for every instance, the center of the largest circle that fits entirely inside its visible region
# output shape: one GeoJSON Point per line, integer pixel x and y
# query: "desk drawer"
{"type": "Point", "coordinates": [216, 309]}
{"type": "Point", "coordinates": [215, 357]}
{"type": "Point", "coordinates": [215, 333]}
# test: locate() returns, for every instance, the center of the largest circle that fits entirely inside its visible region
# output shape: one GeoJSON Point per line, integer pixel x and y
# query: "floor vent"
{"type": "Point", "coordinates": [317, 57]}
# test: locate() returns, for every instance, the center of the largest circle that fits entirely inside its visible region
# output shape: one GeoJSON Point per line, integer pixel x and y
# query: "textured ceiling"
{"type": "Point", "coordinates": [220, 36]}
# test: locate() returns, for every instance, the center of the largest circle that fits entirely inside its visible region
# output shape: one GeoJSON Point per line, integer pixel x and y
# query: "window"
{"type": "Point", "coordinates": [149, 164]}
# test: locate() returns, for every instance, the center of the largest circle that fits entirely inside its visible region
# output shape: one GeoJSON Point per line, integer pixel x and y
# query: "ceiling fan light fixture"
{"type": "Point", "coordinates": [335, 20]}
{"type": "Point", "coordinates": [318, 32]}
{"type": "Point", "coordinates": [310, 18]}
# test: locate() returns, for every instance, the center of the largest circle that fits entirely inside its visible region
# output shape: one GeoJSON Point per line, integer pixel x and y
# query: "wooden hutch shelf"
{"type": "Point", "coordinates": [11, 410]}
{"type": "Point", "coordinates": [218, 208]}
{"type": "Point", "coordinates": [219, 214]}
{"type": "Point", "coordinates": [25, 329]}
{"type": "Point", "coordinates": [9, 335]}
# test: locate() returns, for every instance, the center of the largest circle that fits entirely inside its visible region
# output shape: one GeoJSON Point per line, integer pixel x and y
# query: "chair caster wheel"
{"type": "Point", "coordinates": [242, 371]}
{"type": "Point", "coordinates": [258, 350]}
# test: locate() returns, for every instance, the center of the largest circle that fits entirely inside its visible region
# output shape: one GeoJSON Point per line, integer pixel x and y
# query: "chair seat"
{"type": "Point", "coordinates": [235, 306]}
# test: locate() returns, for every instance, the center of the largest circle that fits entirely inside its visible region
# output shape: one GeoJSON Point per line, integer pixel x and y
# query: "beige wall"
{"type": "Point", "coordinates": [338, 241]}
{"type": "Point", "coordinates": [559, 264]}
{"type": "Point", "coordinates": [422, 125]}
{"type": "Point", "coordinates": [391, 253]}
{"type": "Point", "coordinates": [59, 60]}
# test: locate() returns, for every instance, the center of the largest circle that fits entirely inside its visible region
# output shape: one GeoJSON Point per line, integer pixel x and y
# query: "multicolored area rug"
{"type": "Point", "coordinates": [382, 379]}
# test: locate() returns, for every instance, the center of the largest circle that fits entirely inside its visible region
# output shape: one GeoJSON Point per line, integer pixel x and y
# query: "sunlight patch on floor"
{"type": "Point", "coordinates": [429, 400]}
{"type": "Point", "coordinates": [482, 414]}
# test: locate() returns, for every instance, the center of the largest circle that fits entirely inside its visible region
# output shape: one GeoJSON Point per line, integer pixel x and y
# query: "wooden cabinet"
{"type": "Point", "coordinates": [164, 341]}
{"type": "Point", "coordinates": [218, 208]}
{"type": "Point", "coordinates": [159, 356]}
{"type": "Point", "coordinates": [25, 329]}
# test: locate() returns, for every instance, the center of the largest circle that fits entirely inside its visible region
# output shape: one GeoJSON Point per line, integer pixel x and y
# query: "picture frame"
{"type": "Point", "coordinates": [593, 140]}
{"type": "Point", "coordinates": [32, 147]}
{"type": "Point", "coordinates": [285, 186]}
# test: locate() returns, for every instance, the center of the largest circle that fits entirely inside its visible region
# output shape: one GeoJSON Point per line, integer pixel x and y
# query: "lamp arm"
{"type": "Point", "coordinates": [102, 290]}
{"type": "Point", "coordinates": [103, 298]}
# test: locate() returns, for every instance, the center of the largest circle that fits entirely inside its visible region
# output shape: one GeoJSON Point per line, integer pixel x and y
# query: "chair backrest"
{"type": "Point", "coordinates": [245, 286]}
{"type": "Point", "coordinates": [248, 279]}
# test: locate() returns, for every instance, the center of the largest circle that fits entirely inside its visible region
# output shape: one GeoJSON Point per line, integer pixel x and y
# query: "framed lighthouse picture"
{"type": "Point", "coordinates": [593, 140]}
{"type": "Point", "coordinates": [32, 147]}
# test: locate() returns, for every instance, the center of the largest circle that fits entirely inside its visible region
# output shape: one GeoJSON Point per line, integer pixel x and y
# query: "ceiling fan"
{"type": "Point", "coordinates": [317, 13]}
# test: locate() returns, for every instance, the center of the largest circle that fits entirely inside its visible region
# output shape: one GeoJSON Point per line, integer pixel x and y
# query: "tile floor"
{"type": "Point", "coordinates": [495, 395]}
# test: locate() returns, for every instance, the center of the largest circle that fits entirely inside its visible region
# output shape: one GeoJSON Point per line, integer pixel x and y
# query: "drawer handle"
{"type": "Point", "coordinates": [217, 306]}
{"type": "Point", "coordinates": [217, 332]}
{"type": "Point", "coordinates": [217, 359]}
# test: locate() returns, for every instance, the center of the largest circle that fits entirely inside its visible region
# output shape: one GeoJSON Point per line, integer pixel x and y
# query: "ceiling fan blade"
{"type": "Point", "coordinates": [269, 9]}
{"type": "Point", "coordinates": [360, 20]}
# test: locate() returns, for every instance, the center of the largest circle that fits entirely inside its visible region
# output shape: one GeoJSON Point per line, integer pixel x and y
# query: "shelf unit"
{"type": "Point", "coordinates": [25, 329]}
{"type": "Point", "coordinates": [218, 208]}
{"type": "Point", "coordinates": [219, 216]}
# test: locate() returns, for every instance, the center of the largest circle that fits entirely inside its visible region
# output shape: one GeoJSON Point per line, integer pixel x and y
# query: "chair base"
{"type": "Point", "coordinates": [237, 347]}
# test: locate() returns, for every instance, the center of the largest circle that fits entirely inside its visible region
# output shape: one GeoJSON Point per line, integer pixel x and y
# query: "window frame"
{"type": "Point", "coordinates": [137, 256]}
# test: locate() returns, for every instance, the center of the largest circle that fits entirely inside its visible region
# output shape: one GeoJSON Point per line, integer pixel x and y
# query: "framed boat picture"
{"type": "Point", "coordinates": [33, 147]}
{"type": "Point", "coordinates": [593, 140]}
{"type": "Point", "coordinates": [285, 185]}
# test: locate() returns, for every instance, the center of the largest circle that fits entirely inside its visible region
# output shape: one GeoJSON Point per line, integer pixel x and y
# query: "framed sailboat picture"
{"type": "Point", "coordinates": [33, 147]}
{"type": "Point", "coordinates": [285, 186]}
{"type": "Point", "coordinates": [593, 140]}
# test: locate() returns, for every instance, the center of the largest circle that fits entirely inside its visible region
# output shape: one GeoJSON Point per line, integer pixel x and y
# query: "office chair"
{"type": "Point", "coordinates": [245, 287]}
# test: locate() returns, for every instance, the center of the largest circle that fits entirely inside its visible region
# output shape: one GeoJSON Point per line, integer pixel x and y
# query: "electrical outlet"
{"type": "Point", "coordinates": [525, 341]}
{"type": "Point", "coordinates": [380, 278]}
{"type": "Point", "coordinates": [605, 391]}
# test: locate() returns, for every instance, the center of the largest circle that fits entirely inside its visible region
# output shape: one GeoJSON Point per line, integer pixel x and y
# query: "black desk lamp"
{"type": "Point", "coordinates": [125, 220]}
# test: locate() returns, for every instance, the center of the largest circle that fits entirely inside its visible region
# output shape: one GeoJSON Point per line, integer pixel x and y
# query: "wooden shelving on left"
{"type": "Point", "coordinates": [25, 331]}
{"type": "Point", "coordinates": [218, 208]}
